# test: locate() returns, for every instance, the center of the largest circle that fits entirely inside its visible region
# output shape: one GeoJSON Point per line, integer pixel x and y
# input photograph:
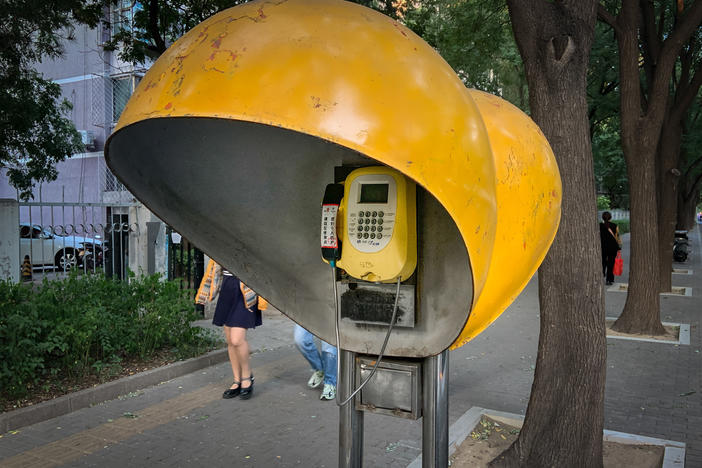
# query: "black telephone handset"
{"type": "Point", "coordinates": [331, 245]}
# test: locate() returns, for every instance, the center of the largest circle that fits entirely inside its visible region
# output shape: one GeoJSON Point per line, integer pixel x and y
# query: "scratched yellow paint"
{"type": "Point", "coordinates": [347, 74]}
{"type": "Point", "coordinates": [528, 206]}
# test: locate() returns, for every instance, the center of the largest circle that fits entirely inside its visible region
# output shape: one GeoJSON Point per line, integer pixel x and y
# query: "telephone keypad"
{"type": "Point", "coordinates": [366, 221]}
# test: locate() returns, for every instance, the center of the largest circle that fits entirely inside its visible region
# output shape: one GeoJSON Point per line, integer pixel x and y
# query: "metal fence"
{"type": "Point", "coordinates": [617, 214]}
{"type": "Point", "coordinates": [57, 237]}
{"type": "Point", "coordinates": [185, 262]}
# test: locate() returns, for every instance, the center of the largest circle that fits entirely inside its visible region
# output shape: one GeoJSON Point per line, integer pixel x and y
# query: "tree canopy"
{"type": "Point", "coordinates": [34, 134]}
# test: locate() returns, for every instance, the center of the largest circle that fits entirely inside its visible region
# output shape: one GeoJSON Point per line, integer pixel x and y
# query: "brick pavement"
{"type": "Point", "coordinates": [185, 422]}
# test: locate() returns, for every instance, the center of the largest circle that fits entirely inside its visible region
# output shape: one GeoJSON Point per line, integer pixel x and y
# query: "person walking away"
{"type": "Point", "coordinates": [323, 364]}
{"type": "Point", "coordinates": [611, 244]}
{"type": "Point", "coordinates": [238, 309]}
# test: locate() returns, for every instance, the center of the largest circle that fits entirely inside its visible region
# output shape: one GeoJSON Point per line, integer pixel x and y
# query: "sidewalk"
{"type": "Point", "coordinates": [653, 389]}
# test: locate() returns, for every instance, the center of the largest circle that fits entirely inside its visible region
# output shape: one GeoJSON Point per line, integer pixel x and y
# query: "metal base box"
{"type": "Point", "coordinates": [394, 390]}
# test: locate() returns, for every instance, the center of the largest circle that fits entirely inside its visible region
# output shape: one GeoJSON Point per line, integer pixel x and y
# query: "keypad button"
{"type": "Point", "coordinates": [380, 228]}
{"type": "Point", "coordinates": [372, 228]}
{"type": "Point", "coordinates": [380, 236]}
{"type": "Point", "coordinates": [375, 213]}
{"type": "Point", "coordinates": [360, 213]}
{"type": "Point", "coordinates": [361, 220]}
{"type": "Point", "coordinates": [381, 214]}
{"type": "Point", "coordinates": [367, 228]}
{"type": "Point", "coordinates": [373, 221]}
{"type": "Point", "coordinates": [380, 221]}
{"type": "Point", "coordinates": [359, 235]}
{"type": "Point", "coordinates": [365, 235]}
{"type": "Point", "coordinates": [368, 213]}
{"type": "Point", "coordinates": [372, 236]}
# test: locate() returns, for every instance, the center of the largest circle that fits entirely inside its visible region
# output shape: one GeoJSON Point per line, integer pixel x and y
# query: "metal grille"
{"type": "Point", "coordinates": [110, 96]}
{"type": "Point", "coordinates": [57, 237]}
{"type": "Point", "coordinates": [185, 261]}
{"type": "Point", "coordinates": [112, 190]}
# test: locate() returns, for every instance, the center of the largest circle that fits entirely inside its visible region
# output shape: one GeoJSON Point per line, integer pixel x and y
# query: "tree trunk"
{"type": "Point", "coordinates": [641, 314]}
{"type": "Point", "coordinates": [564, 419]}
{"type": "Point", "coordinates": [668, 175]}
{"type": "Point", "coordinates": [687, 207]}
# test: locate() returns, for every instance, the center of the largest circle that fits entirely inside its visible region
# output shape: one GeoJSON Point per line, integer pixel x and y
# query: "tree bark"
{"type": "Point", "coordinates": [686, 88]}
{"type": "Point", "coordinates": [564, 419]}
{"type": "Point", "coordinates": [668, 175]}
{"type": "Point", "coordinates": [689, 194]}
{"type": "Point", "coordinates": [642, 114]}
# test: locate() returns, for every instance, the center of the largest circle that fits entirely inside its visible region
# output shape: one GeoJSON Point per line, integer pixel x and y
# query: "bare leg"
{"type": "Point", "coordinates": [233, 355]}
{"type": "Point", "coordinates": [240, 348]}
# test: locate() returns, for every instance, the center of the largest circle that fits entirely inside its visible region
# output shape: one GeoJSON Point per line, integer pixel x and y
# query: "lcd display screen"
{"type": "Point", "coordinates": [374, 193]}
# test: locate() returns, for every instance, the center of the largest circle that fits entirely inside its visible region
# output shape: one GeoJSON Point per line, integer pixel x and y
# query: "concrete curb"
{"type": "Point", "coordinates": [674, 451]}
{"type": "Point", "coordinates": [22, 417]}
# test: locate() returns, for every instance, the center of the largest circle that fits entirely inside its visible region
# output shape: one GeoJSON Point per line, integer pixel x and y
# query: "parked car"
{"type": "Point", "coordinates": [64, 252]}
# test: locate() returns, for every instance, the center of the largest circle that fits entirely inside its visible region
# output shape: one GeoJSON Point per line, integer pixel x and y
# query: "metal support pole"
{"type": "Point", "coordinates": [435, 411]}
{"type": "Point", "coordinates": [350, 420]}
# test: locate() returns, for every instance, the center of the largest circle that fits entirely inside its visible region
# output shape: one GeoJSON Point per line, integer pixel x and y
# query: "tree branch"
{"type": "Point", "coordinates": [669, 52]}
{"type": "Point", "coordinates": [160, 43]}
{"type": "Point", "coordinates": [694, 186]}
{"type": "Point", "coordinates": [650, 34]}
{"type": "Point", "coordinates": [692, 166]}
{"type": "Point", "coordinates": [690, 92]}
{"type": "Point", "coordinates": [605, 16]}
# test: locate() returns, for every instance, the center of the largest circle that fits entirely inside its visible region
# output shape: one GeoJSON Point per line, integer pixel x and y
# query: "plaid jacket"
{"type": "Point", "coordinates": [212, 281]}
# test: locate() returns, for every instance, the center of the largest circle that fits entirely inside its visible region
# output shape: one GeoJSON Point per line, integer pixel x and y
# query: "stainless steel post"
{"type": "Point", "coordinates": [435, 411]}
{"type": "Point", "coordinates": [350, 420]}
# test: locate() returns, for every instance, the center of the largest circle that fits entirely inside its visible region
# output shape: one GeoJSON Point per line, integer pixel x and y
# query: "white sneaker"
{"type": "Point", "coordinates": [329, 392]}
{"type": "Point", "coordinates": [316, 379]}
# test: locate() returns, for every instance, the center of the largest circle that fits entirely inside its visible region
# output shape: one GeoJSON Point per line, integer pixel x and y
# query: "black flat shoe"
{"type": "Point", "coordinates": [232, 392]}
{"type": "Point", "coordinates": [246, 393]}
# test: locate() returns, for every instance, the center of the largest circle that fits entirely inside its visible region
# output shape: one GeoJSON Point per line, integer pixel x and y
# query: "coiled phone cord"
{"type": "Point", "coordinates": [382, 349]}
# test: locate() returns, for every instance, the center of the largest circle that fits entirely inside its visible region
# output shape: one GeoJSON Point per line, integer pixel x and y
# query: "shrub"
{"type": "Point", "coordinates": [623, 225]}
{"type": "Point", "coordinates": [603, 202]}
{"type": "Point", "coordinates": [85, 324]}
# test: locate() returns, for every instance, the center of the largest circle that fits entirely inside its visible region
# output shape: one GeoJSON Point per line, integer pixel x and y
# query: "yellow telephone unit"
{"type": "Point", "coordinates": [378, 225]}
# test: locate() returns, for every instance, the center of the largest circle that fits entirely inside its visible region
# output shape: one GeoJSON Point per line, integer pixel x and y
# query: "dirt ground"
{"type": "Point", "coordinates": [490, 438]}
{"type": "Point", "coordinates": [672, 333]}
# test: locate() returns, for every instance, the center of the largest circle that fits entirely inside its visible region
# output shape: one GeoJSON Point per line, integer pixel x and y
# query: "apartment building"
{"type": "Point", "coordinates": [86, 199]}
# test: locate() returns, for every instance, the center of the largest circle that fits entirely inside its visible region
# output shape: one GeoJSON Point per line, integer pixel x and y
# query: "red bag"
{"type": "Point", "coordinates": [618, 264]}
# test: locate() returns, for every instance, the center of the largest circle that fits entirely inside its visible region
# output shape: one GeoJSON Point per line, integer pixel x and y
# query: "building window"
{"type": "Point", "coordinates": [122, 12]}
{"type": "Point", "coordinates": [122, 89]}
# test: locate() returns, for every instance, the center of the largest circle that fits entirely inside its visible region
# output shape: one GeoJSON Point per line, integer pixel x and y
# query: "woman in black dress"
{"type": "Point", "coordinates": [609, 239]}
{"type": "Point", "coordinates": [238, 310]}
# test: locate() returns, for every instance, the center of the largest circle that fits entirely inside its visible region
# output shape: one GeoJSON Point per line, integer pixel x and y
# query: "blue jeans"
{"type": "Point", "coordinates": [324, 361]}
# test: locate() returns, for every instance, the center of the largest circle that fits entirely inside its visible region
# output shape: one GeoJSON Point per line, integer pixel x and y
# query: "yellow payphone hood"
{"type": "Point", "coordinates": [347, 75]}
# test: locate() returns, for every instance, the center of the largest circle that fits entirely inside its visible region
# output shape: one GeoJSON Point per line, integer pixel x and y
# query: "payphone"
{"type": "Point", "coordinates": [340, 88]}
{"type": "Point", "coordinates": [373, 214]}
{"type": "Point", "coordinates": [378, 225]}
